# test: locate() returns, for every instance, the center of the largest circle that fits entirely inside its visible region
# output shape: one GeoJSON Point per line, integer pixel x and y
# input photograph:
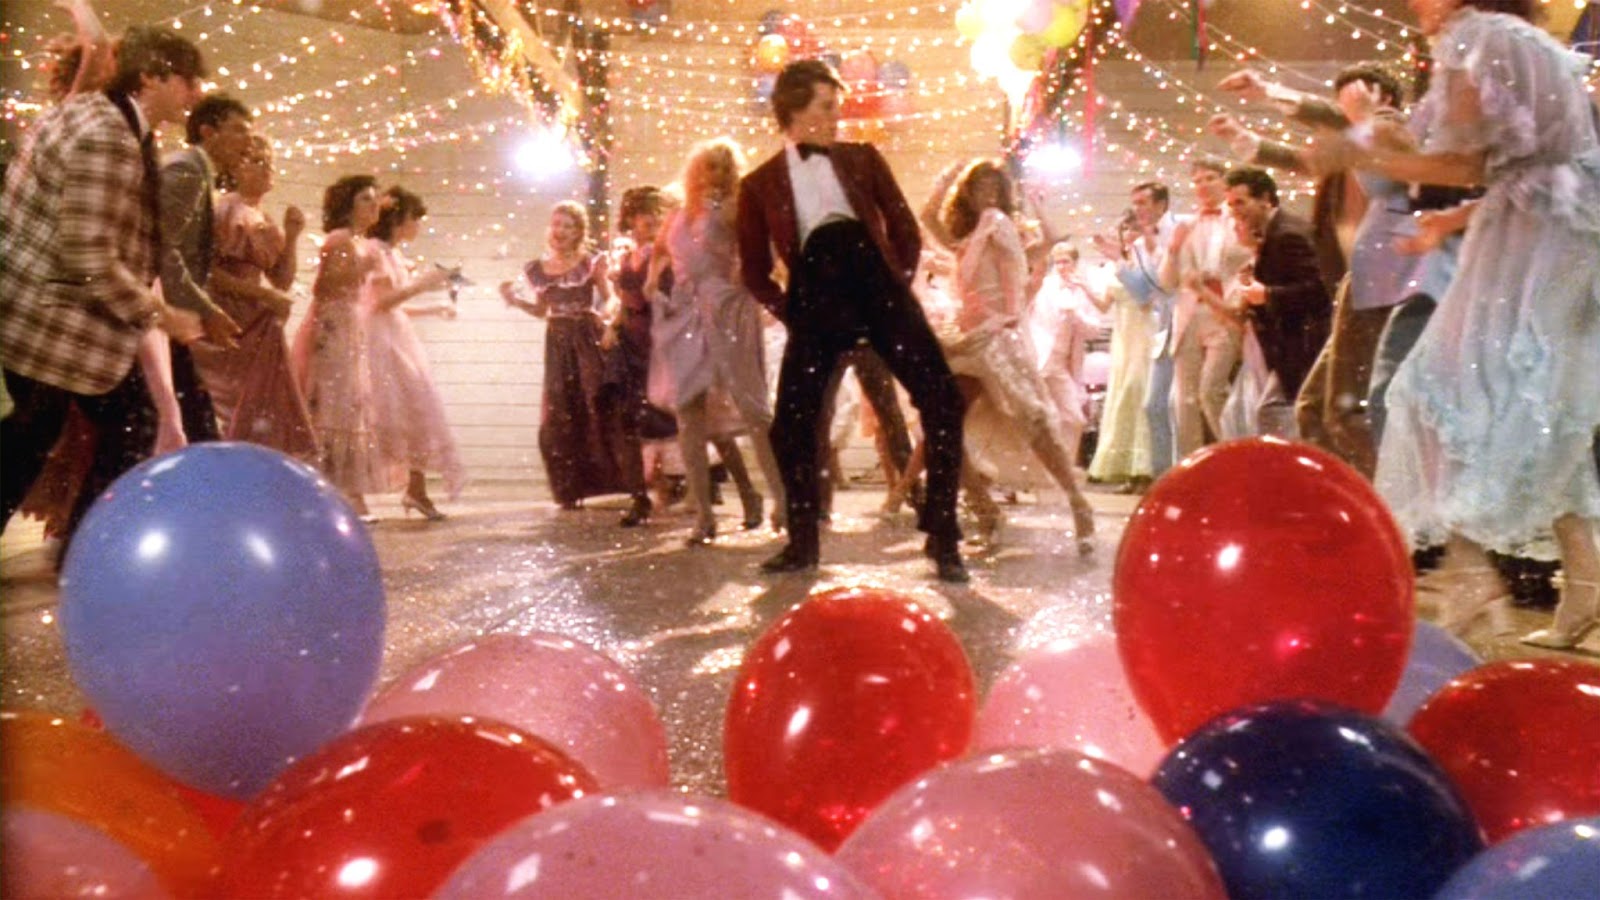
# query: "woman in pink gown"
{"type": "Point", "coordinates": [330, 349]}
{"type": "Point", "coordinates": [255, 394]}
{"type": "Point", "coordinates": [408, 414]}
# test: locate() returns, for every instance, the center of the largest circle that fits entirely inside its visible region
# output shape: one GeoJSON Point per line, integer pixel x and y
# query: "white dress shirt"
{"type": "Point", "coordinates": [818, 196]}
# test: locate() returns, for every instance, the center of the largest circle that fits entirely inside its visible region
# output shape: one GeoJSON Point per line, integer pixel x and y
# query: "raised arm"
{"type": "Point", "coordinates": [931, 217]}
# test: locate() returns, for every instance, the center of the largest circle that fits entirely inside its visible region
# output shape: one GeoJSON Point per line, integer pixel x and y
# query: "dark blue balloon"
{"type": "Point", "coordinates": [1300, 799]}
{"type": "Point", "coordinates": [1436, 657]}
{"type": "Point", "coordinates": [771, 21]}
{"type": "Point", "coordinates": [223, 612]}
{"type": "Point", "coordinates": [1552, 861]}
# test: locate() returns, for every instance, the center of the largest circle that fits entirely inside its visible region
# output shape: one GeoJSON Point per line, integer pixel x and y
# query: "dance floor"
{"type": "Point", "coordinates": [679, 618]}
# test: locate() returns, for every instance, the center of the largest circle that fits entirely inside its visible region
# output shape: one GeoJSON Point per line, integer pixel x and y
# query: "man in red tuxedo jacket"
{"type": "Point", "coordinates": [832, 212]}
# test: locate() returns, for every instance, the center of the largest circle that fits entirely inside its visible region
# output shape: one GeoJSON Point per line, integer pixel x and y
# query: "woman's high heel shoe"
{"type": "Point", "coordinates": [753, 503]}
{"type": "Point", "coordinates": [989, 527]}
{"type": "Point", "coordinates": [1083, 524]}
{"type": "Point", "coordinates": [1467, 596]}
{"type": "Point", "coordinates": [421, 505]}
{"type": "Point", "coordinates": [1574, 619]}
{"type": "Point", "coordinates": [701, 536]}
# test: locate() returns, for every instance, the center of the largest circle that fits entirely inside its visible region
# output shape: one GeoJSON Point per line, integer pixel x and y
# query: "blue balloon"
{"type": "Point", "coordinates": [895, 75]}
{"type": "Point", "coordinates": [764, 87]}
{"type": "Point", "coordinates": [223, 612]}
{"type": "Point", "coordinates": [1436, 657]}
{"type": "Point", "coordinates": [1560, 860]}
{"type": "Point", "coordinates": [1302, 798]}
{"type": "Point", "coordinates": [771, 21]}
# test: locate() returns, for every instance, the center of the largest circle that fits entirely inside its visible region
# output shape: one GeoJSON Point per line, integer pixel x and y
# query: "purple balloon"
{"type": "Point", "coordinates": [1126, 10]}
{"type": "Point", "coordinates": [1436, 657]}
{"type": "Point", "coordinates": [1559, 860]}
{"type": "Point", "coordinates": [223, 612]}
{"type": "Point", "coordinates": [53, 856]}
{"type": "Point", "coordinates": [1032, 824]}
{"type": "Point", "coordinates": [654, 844]}
{"type": "Point", "coordinates": [548, 685]}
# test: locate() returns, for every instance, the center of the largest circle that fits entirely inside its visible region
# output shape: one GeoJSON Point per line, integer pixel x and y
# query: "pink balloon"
{"type": "Point", "coordinates": [548, 685]}
{"type": "Point", "coordinates": [1036, 17]}
{"type": "Point", "coordinates": [1033, 824]}
{"type": "Point", "coordinates": [650, 844]}
{"type": "Point", "coordinates": [1071, 697]}
{"type": "Point", "coordinates": [53, 856]}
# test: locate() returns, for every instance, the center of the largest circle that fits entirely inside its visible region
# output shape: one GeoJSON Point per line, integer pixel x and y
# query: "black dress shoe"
{"type": "Point", "coordinates": [946, 556]}
{"type": "Point", "coordinates": [639, 513]}
{"type": "Point", "coordinates": [791, 559]}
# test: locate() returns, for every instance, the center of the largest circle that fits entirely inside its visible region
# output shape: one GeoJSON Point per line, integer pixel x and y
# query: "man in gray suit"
{"type": "Point", "coordinates": [219, 134]}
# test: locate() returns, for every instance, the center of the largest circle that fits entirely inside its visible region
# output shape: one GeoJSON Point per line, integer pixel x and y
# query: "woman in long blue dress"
{"type": "Point", "coordinates": [1493, 415]}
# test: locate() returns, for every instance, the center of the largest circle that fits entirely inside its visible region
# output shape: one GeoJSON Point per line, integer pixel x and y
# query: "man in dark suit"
{"type": "Point", "coordinates": [218, 131]}
{"type": "Point", "coordinates": [834, 215]}
{"type": "Point", "coordinates": [1288, 301]}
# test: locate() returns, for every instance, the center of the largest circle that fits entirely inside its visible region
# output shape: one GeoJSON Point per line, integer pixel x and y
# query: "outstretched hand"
{"type": "Point", "coordinates": [1246, 84]}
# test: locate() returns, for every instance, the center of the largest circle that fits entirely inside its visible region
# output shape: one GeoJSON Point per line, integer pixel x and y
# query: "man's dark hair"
{"type": "Point", "coordinates": [1525, 9]}
{"type": "Point", "coordinates": [157, 52]}
{"type": "Point", "coordinates": [797, 86]}
{"type": "Point", "coordinates": [637, 201]}
{"type": "Point", "coordinates": [1158, 191]}
{"type": "Point", "coordinates": [1209, 163]}
{"type": "Point", "coordinates": [1256, 181]}
{"type": "Point", "coordinates": [212, 111]}
{"type": "Point", "coordinates": [398, 205]}
{"type": "Point", "coordinates": [1373, 75]}
{"type": "Point", "coordinates": [339, 200]}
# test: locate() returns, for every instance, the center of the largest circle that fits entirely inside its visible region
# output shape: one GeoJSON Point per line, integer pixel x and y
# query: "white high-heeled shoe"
{"type": "Point", "coordinates": [1575, 617]}
{"type": "Point", "coordinates": [1467, 596]}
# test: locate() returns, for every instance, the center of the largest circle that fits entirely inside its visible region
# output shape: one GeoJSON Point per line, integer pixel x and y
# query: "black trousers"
{"type": "Point", "coordinates": [194, 401]}
{"type": "Point", "coordinates": [841, 296]}
{"type": "Point", "coordinates": [125, 426]}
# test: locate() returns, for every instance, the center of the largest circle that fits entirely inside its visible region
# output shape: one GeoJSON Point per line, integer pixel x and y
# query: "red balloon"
{"type": "Point", "coordinates": [219, 813]}
{"type": "Point", "coordinates": [1521, 739]}
{"type": "Point", "coordinates": [391, 809]}
{"type": "Point", "coordinates": [850, 695]}
{"type": "Point", "coordinates": [1260, 570]}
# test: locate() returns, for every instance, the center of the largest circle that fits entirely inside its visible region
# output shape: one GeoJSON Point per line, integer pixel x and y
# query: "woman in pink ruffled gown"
{"type": "Point", "coordinates": [330, 349]}
{"type": "Point", "coordinates": [407, 413]}
{"type": "Point", "coordinates": [255, 394]}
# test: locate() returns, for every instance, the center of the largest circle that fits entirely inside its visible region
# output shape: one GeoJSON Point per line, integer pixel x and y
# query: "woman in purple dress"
{"type": "Point", "coordinates": [584, 450]}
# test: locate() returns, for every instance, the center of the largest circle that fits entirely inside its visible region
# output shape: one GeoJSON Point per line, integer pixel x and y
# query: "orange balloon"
{"type": "Point", "coordinates": [61, 767]}
{"type": "Point", "coordinates": [772, 53]}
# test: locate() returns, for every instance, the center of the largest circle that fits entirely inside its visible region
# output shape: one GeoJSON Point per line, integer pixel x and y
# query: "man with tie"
{"type": "Point", "coordinates": [834, 216]}
{"type": "Point", "coordinates": [218, 132]}
{"type": "Point", "coordinates": [1206, 338]}
{"type": "Point", "coordinates": [78, 249]}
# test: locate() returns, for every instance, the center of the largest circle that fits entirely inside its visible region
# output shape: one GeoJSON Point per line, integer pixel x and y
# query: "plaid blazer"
{"type": "Point", "coordinates": [76, 250]}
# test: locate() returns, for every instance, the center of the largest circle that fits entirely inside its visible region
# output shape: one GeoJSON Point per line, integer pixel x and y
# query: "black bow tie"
{"type": "Point", "coordinates": [807, 149]}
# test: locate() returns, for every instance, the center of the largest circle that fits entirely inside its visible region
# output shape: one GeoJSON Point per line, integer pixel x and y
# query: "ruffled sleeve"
{"type": "Point", "coordinates": [1508, 90]}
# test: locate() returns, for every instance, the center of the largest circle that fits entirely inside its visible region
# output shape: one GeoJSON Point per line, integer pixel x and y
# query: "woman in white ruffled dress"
{"type": "Point", "coordinates": [989, 350]}
{"type": "Point", "coordinates": [1492, 417]}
